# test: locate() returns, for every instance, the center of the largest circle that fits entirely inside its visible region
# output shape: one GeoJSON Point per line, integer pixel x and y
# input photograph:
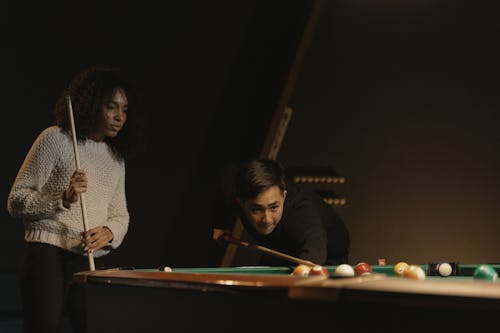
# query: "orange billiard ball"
{"type": "Point", "coordinates": [415, 272]}
{"type": "Point", "coordinates": [301, 270]}
{"type": "Point", "coordinates": [362, 268]}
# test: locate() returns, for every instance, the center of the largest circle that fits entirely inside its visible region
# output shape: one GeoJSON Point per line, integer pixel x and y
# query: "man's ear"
{"type": "Point", "coordinates": [284, 194]}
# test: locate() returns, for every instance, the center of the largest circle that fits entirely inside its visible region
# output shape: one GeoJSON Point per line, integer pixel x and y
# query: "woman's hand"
{"type": "Point", "coordinates": [77, 185]}
{"type": "Point", "coordinates": [96, 238]}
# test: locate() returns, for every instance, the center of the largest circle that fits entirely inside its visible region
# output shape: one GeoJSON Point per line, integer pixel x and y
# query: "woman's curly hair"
{"type": "Point", "coordinates": [88, 90]}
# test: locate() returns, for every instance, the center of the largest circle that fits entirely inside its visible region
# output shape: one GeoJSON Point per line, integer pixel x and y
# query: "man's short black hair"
{"type": "Point", "coordinates": [256, 176]}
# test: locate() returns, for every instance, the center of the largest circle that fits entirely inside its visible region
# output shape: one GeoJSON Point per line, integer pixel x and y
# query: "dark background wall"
{"type": "Point", "coordinates": [401, 98]}
{"type": "Point", "coordinates": [209, 75]}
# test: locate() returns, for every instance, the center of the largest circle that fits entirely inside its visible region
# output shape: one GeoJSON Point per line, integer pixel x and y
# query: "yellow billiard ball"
{"type": "Point", "coordinates": [400, 268]}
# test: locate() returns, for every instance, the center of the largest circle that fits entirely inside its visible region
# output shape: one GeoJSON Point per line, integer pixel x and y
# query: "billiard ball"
{"type": "Point", "coordinates": [362, 268]}
{"type": "Point", "coordinates": [485, 272]}
{"type": "Point", "coordinates": [167, 269]}
{"type": "Point", "coordinates": [414, 272]}
{"type": "Point", "coordinates": [444, 269]}
{"type": "Point", "coordinates": [301, 270]}
{"type": "Point", "coordinates": [400, 268]}
{"type": "Point", "coordinates": [344, 270]}
{"type": "Point", "coordinates": [319, 270]}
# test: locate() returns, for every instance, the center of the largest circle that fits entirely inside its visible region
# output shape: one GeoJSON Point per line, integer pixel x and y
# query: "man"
{"type": "Point", "coordinates": [280, 215]}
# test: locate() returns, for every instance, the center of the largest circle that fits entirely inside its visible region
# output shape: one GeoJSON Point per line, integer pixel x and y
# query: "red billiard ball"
{"type": "Point", "coordinates": [362, 268]}
{"type": "Point", "coordinates": [319, 270]}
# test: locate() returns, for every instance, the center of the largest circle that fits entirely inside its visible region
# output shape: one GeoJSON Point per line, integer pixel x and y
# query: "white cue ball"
{"type": "Point", "coordinates": [344, 270]}
{"type": "Point", "coordinates": [445, 269]}
{"type": "Point", "coordinates": [167, 269]}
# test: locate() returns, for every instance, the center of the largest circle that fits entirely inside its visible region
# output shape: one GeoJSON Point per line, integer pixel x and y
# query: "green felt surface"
{"type": "Point", "coordinates": [463, 270]}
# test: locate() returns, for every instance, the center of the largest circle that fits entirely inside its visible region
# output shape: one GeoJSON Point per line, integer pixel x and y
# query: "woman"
{"type": "Point", "coordinates": [46, 192]}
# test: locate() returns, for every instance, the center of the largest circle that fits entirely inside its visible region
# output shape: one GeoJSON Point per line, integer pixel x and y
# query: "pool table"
{"type": "Point", "coordinates": [270, 299]}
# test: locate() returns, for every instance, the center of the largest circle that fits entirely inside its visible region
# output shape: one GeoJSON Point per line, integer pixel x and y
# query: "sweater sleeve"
{"type": "Point", "coordinates": [27, 198]}
{"type": "Point", "coordinates": [307, 228]}
{"type": "Point", "coordinates": [118, 215]}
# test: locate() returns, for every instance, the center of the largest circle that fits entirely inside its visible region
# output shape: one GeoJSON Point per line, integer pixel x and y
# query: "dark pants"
{"type": "Point", "coordinates": [47, 291]}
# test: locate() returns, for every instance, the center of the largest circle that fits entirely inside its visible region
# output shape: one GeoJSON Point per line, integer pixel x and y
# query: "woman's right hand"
{"type": "Point", "coordinates": [77, 185]}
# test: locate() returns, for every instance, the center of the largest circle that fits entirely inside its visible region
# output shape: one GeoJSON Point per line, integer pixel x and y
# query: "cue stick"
{"type": "Point", "coordinates": [82, 196]}
{"type": "Point", "coordinates": [222, 236]}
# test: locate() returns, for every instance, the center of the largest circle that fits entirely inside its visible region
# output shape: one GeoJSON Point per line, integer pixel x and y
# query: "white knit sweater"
{"type": "Point", "coordinates": [35, 196]}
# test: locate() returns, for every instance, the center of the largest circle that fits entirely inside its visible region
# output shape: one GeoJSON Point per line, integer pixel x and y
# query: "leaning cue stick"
{"type": "Point", "coordinates": [221, 236]}
{"type": "Point", "coordinates": [82, 196]}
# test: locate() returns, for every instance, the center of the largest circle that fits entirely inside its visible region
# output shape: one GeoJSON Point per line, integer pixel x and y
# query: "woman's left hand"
{"type": "Point", "coordinates": [96, 238]}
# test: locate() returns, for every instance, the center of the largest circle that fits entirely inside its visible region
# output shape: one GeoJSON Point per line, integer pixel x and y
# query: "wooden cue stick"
{"type": "Point", "coordinates": [283, 255]}
{"type": "Point", "coordinates": [233, 240]}
{"type": "Point", "coordinates": [82, 196]}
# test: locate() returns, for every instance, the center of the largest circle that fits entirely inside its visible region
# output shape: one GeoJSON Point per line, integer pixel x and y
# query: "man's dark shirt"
{"type": "Point", "coordinates": [309, 229]}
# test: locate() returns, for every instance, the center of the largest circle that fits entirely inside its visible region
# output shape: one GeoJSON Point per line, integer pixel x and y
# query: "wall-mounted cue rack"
{"type": "Point", "coordinates": [320, 180]}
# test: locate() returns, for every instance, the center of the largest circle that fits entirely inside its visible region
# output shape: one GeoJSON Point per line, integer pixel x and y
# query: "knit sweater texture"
{"type": "Point", "coordinates": [35, 196]}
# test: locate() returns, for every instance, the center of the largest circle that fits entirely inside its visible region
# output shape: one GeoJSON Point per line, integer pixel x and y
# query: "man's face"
{"type": "Point", "coordinates": [264, 211]}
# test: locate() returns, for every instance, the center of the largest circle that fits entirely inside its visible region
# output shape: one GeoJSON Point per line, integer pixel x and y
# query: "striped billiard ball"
{"type": "Point", "coordinates": [415, 272]}
{"type": "Point", "coordinates": [319, 270]}
{"type": "Point", "coordinates": [400, 268]}
{"type": "Point", "coordinates": [301, 270]}
{"type": "Point", "coordinates": [485, 272]}
{"type": "Point", "coordinates": [362, 268]}
{"type": "Point", "coordinates": [344, 270]}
